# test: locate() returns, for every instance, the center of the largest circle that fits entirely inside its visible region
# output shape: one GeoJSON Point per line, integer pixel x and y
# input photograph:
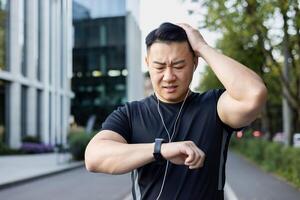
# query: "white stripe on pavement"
{"type": "Point", "coordinates": [128, 197]}
{"type": "Point", "coordinates": [229, 193]}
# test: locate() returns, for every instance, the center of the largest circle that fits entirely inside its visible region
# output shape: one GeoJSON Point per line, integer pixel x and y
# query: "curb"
{"type": "Point", "coordinates": [38, 176]}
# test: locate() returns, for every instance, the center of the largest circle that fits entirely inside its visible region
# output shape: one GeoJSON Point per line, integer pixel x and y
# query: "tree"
{"type": "Point", "coordinates": [252, 36]}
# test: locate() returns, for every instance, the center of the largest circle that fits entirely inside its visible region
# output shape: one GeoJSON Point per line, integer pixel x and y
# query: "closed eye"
{"type": "Point", "coordinates": [179, 67]}
{"type": "Point", "coordinates": [159, 67]}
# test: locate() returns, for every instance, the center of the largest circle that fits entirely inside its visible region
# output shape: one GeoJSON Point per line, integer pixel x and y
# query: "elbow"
{"type": "Point", "coordinates": [257, 100]}
{"type": "Point", "coordinates": [262, 95]}
{"type": "Point", "coordinates": [90, 165]}
{"type": "Point", "coordinates": [101, 167]}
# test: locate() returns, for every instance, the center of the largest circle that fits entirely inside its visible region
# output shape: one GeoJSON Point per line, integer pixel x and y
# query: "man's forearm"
{"type": "Point", "coordinates": [113, 157]}
{"type": "Point", "coordinates": [240, 82]}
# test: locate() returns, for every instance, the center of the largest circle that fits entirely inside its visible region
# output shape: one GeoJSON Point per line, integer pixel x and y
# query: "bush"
{"type": "Point", "coordinates": [31, 139]}
{"type": "Point", "coordinates": [273, 157]}
{"type": "Point", "coordinates": [5, 150]}
{"type": "Point", "coordinates": [78, 142]}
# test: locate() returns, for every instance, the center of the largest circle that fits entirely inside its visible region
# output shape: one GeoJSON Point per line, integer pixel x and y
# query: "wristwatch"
{"type": "Point", "coordinates": [157, 148]}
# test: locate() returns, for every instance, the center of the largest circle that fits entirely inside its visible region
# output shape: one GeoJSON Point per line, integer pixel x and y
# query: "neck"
{"type": "Point", "coordinates": [173, 102]}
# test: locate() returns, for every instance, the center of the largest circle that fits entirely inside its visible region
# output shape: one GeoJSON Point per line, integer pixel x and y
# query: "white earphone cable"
{"type": "Point", "coordinates": [170, 137]}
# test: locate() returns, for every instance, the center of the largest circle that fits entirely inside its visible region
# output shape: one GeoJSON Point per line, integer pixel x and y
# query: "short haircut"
{"type": "Point", "coordinates": [167, 32]}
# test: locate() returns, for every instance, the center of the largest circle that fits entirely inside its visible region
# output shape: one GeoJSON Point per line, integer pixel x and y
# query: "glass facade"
{"type": "Point", "coordinates": [99, 81]}
{"type": "Point", "coordinates": [34, 46]}
{"type": "Point", "coordinates": [22, 27]}
{"type": "Point", "coordinates": [2, 111]}
{"type": "Point", "coordinates": [24, 98]}
{"type": "Point", "coordinates": [3, 30]}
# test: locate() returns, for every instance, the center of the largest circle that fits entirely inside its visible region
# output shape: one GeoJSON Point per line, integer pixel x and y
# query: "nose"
{"type": "Point", "coordinates": [169, 75]}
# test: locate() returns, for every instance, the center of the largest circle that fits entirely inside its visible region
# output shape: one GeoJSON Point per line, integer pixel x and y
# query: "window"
{"type": "Point", "coordinates": [103, 38]}
{"type": "Point", "coordinates": [103, 64]}
{"type": "Point", "coordinates": [2, 111]}
{"type": "Point", "coordinates": [22, 27]}
{"type": "Point", "coordinates": [24, 94]}
{"type": "Point", "coordinates": [38, 113]}
{"type": "Point", "coordinates": [3, 32]}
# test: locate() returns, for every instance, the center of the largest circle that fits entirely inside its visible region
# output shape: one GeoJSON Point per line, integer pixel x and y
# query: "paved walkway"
{"type": "Point", "coordinates": [248, 182]}
{"type": "Point", "coordinates": [21, 168]}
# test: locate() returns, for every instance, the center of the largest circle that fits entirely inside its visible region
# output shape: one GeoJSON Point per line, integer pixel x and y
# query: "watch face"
{"type": "Point", "coordinates": [157, 147]}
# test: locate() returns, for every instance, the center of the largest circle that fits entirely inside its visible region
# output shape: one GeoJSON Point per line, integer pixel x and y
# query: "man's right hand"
{"type": "Point", "coordinates": [183, 153]}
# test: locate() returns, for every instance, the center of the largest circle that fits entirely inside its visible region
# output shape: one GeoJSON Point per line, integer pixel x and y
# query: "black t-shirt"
{"type": "Point", "coordinates": [139, 122]}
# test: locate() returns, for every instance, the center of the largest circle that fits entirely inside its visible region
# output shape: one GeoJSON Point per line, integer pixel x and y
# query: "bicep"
{"type": "Point", "coordinates": [236, 113]}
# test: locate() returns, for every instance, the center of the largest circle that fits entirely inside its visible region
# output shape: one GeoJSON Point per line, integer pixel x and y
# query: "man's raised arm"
{"type": "Point", "coordinates": [245, 92]}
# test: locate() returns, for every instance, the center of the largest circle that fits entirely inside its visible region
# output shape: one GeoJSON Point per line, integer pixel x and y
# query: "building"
{"type": "Point", "coordinates": [106, 61]}
{"type": "Point", "coordinates": [79, 11]}
{"type": "Point", "coordinates": [35, 70]}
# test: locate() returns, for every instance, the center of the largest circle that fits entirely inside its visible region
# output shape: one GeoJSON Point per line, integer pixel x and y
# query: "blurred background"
{"type": "Point", "coordinates": [65, 65]}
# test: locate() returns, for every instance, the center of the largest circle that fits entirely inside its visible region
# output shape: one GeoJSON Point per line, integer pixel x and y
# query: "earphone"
{"type": "Point", "coordinates": [174, 130]}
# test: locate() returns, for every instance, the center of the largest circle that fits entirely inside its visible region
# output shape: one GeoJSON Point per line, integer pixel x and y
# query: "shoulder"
{"type": "Point", "coordinates": [143, 103]}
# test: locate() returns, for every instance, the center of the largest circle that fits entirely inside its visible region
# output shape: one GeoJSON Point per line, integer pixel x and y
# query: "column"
{"type": "Point", "coordinates": [135, 77]}
{"type": "Point", "coordinates": [31, 58]}
{"type": "Point", "coordinates": [44, 64]}
{"type": "Point", "coordinates": [14, 53]}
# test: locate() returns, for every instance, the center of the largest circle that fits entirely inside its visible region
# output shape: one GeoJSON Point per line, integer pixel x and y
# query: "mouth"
{"type": "Point", "coordinates": [170, 89]}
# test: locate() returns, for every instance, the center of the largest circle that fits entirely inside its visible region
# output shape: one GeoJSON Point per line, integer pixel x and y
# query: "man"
{"type": "Point", "coordinates": [175, 141]}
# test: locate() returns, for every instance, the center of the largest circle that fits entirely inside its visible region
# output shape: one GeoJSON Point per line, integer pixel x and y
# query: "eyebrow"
{"type": "Point", "coordinates": [174, 63]}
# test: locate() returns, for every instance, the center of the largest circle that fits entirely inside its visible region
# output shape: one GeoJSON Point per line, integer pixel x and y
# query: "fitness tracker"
{"type": "Point", "coordinates": [157, 148]}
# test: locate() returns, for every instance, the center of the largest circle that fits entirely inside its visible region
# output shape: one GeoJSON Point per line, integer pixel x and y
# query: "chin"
{"type": "Point", "coordinates": [174, 98]}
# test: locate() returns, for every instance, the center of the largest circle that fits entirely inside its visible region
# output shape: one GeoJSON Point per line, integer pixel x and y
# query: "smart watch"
{"type": "Point", "coordinates": [157, 150]}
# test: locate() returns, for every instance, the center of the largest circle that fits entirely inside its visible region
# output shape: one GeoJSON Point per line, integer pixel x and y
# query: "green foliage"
{"type": "Point", "coordinates": [31, 139]}
{"type": "Point", "coordinates": [5, 150]}
{"type": "Point", "coordinates": [273, 157]}
{"type": "Point", "coordinates": [78, 142]}
{"type": "Point", "coordinates": [250, 35]}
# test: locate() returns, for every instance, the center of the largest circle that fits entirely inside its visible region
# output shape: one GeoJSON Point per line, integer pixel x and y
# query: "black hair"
{"type": "Point", "coordinates": [167, 32]}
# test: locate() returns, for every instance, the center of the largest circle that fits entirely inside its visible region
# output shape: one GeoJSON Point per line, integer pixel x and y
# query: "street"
{"type": "Point", "coordinates": [77, 184]}
{"type": "Point", "coordinates": [245, 181]}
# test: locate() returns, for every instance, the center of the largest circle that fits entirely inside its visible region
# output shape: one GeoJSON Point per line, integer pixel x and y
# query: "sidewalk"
{"type": "Point", "coordinates": [20, 168]}
{"type": "Point", "coordinates": [249, 182]}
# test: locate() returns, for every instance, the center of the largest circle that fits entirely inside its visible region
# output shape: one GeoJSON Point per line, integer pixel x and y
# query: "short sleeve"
{"type": "Point", "coordinates": [218, 93]}
{"type": "Point", "coordinates": [118, 121]}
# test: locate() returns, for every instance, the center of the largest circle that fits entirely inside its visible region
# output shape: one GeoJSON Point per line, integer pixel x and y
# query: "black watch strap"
{"type": "Point", "coordinates": [157, 149]}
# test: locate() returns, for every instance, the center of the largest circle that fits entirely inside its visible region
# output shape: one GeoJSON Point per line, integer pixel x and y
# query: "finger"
{"type": "Point", "coordinates": [183, 25]}
{"type": "Point", "coordinates": [197, 156]}
{"type": "Point", "coordinates": [202, 158]}
{"type": "Point", "coordinates": [200, 161]}
{"type": "Point", "coordinates": [191, 155]}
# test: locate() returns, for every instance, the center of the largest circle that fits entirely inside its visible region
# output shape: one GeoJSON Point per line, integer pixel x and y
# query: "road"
{"type": "Point", "coordinates": [77, 184]}
{"type": "Point", "coordinates": [245, 180]}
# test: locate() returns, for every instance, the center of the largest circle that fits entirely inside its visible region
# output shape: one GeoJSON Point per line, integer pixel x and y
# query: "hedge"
{"type": "Point", "coordinates": [273, 157]}
{"type": "Point", "coordinates": [78, 142]}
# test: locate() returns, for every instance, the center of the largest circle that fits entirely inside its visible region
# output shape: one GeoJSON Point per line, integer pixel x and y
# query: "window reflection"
{"type": "Point", "coordinates": [2, 111]}
{"type": "Point", "coordinates": [3, 29]}
{"type": "Point", "coordinates": [99, 80]}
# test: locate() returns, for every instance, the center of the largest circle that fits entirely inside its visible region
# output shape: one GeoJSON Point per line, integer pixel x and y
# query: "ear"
{"type": "Point", "coordinates": [195, 62]}
{"type": "Point", "coordinates": [147, 61]}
